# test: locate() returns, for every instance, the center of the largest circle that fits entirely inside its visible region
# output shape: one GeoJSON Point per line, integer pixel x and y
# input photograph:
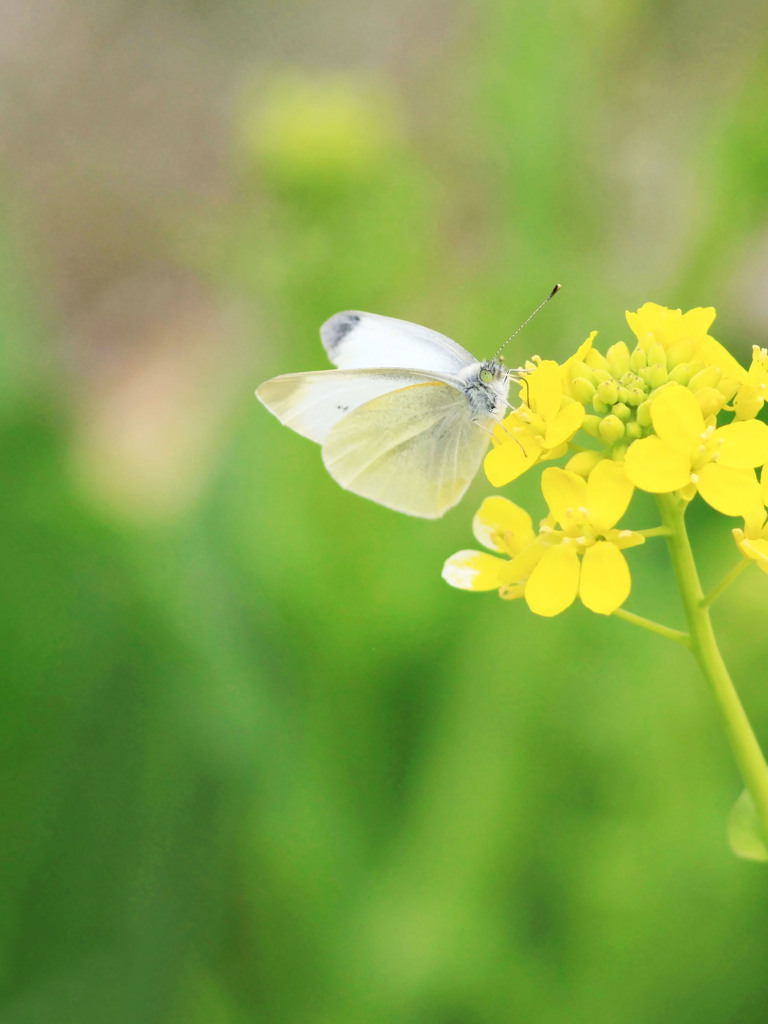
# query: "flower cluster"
{"type": "Point", "coordinates": [674, 414]}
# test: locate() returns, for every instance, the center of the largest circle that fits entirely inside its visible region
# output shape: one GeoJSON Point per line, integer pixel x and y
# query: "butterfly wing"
{"type": "Point", "coordinates": [354, 340]}
{"type": "Point", "coordinates": [312, 403]}
{"type": "Point", "coordinates": [414, 450]}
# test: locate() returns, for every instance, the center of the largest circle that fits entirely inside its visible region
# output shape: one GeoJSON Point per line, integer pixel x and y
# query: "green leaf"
{"type": "Point", "coordinates": [744, 831]}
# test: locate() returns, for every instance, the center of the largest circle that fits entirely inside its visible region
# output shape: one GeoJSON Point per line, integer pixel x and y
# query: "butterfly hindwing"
{"type": "Point", "coordinates": [414, 449]}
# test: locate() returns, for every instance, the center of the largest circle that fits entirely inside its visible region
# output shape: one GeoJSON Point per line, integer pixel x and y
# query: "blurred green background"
{"type": "Point", "coordinates": [258, 762]}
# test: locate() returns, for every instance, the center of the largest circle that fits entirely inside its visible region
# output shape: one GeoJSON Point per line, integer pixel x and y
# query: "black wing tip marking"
{"type": "Point", "coordinates": [335, 330]}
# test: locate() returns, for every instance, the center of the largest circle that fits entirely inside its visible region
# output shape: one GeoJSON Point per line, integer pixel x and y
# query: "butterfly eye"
{"type": "Point", "coordinates": [486, 376]}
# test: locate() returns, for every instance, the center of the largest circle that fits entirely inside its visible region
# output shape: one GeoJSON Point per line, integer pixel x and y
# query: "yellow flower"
{"type": "Point", "coordinates": [539, 429]}
{"type": "Point", "coordinates": [680, 344]}
{"type": "Point", "coordinates": [752, 541]}
{"type": "Point", "coordinates": [584, 557]}
{"type": "Point", "coordinates": [689, 454]}
{"type": "Point", "coordinates": [679, 334]}
{"type": "Point", "coordinates": [751, 395]}
{"type": "Point", "coordinates": [500, 526]}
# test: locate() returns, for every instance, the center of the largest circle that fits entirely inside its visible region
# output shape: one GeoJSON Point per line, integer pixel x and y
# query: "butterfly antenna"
{"type": "Point", "coordinates": [514, 334]}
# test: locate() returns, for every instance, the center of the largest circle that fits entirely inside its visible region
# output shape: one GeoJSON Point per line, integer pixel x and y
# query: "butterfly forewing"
{"type": "Point", "coordinates": [414, 450]}
{"type": "Point", "coordinates": [355, 340]}
{"type": "Point", "coordinates": [311, 403]}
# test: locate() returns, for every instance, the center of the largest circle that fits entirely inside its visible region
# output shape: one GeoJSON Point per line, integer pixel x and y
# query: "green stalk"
{"type": "Point", "coordinates": [653, 627]}
{"type": "Point", "coordinates": [726, 581]}
{"type": "Point", "coordinates": [703, 646]}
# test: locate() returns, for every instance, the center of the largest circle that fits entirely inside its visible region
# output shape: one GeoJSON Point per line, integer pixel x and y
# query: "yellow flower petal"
{"type": "Point", "coordinates": [748, 401]}
{"type": "Point", "coordinates": [473, 570]}
{"type": "Point", "coordinates": [764, 484]}
{"type": "Point", "coordinates": [711, 401]}
{"type": "Point", "coordinates": [605, 580]}
{"type": "Point", "coordinates": [501, 525]}
{"type": "Point", "coordinates": [643, 322]}
{"type": "Point", "coordinates": [739, 538]}
{"type": "Point", "coordinates": [584, 462]}
{"type": "Point", "coordinates": [625, 538]}
{"type": "Point", "coordinates": [521, 566]}
{"type": "Point", "coordinates": [545, 390]}
{"type": "Point", "coordinates": [676, 416]}
{"type": "Point", "coordinates": [506, 428]}
{"type": "Point", "coordinates": [509, 460]}
{"type": "Point", "coordinates": [715, 354]}
{"type": "Point", "coordinates": [742, 444]}
{"type": "Point", "coordinates": [758, 369]}
{"type": "Point", "coordinates": [578, 357]}
{"type": "Point", "coordinates": [554, 453]}
{"type": "Point", "coordinates": [696, 322]}
{"type": "Point", "coordinates": [563, 491]}
{"type": "Point", "coordinates": [609, 492]}
{"type": "Point", "coordinates": [653, 465]}
{"type": "Point", "coordinates": [734, 492]}
{"type": "Point", "coordinates": [677, 332]}
{"type": "Point", "coordinates": [756, 550]}
{"type": "Point", "coordinates": [554, 583]}
{"type": "Point", "coordinates": [755, 523]}
{"type": "Point", "coordinates": [565, 424]}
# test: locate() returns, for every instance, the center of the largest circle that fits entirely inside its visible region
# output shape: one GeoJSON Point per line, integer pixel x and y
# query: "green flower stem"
{"type": "Point", "coordinates": [655, 531]}
{"type": "Point", "coordinates": [653, 627]}
{"type": "Point", "coordinates": [726, 581]}
{"type": "Point", "coordinates": [703, 645]}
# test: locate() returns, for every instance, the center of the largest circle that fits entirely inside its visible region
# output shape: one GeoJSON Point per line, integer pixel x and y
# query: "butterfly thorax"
{"type": "Point", "coordinates": [485, 386]}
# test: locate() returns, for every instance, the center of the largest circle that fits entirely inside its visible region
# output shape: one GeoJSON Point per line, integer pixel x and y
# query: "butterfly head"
{"type": "Point", "coordinates": [486, 386]}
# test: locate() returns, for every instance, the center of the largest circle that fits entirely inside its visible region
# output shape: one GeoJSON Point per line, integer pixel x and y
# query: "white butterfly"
{"type": "Point", "coordinates": [406, 418]}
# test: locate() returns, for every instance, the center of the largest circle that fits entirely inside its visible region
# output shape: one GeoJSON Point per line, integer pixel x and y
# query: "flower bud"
{"type": "Point", "coordinates": [591, 425]}
{"type": "Point", "coordinates": [644, 413]}
{"type": "Point", "coordinates": [636, 396]}
{"type": "Point", "coordinates": [656, 353]}
{"type": "Point", "coordinates": [611, 429]}
{"type": "Point", "coordinates": [638, 360]}
{"type": "Point", "coordinates": [599, 375]}
{"type": "Point", "coordinates": [580, 369]}
{"type": "Point", "coordinates": [618, 357]}
{"type": "Point", "coordinates": [608, 392]}
{"type": "Point", "coordinates": [680, 374]}
{"type": "Point", "coordinates": [728, 387]}
{"type": "Point", "coordinates": [599, 406]}
{"type": "Point", "coordinates": [656, 375]}
{"type": "Point", "coordinates": [710, 400]}
{"type": "Point", "coordinates": [597, 361]}
{"type": "Point", "coordinates": [706, 378]}
{"type": "Point", "coordinates": [694, 366]}
{"type": "Point", "coordinates": [633, 431]}
{"type": "Point", "coordinates": [622, 411]}
{"type": "Point", "coordinates": [583, 390]}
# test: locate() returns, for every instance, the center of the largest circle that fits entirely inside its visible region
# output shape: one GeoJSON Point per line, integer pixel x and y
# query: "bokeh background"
{"type": "Point", "coordinates": [259, 763]}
